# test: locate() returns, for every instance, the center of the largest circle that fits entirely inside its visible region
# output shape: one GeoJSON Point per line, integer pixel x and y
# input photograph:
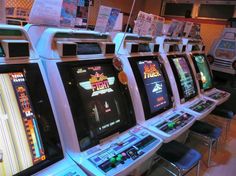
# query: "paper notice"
{"type": "Point", "coordinates": [68, 13]}
{"type": "Point", "coordinates": [106, 20]}
{"type": "Point", "coordinates": [46, 12]}
{"type": "Point", "coordinates": [2, 11]}
{"type": "Point", "coordinates": [142, 24]}
{"type": "Point", "coordinates": [82, 14]}
{"type": "Point", "coordinates": [187, 28]}
{"type": "Point", "coordinates": [195, 31]}
{"type": "Point", "coordinates": [156, 27]}
{"type": "Point", "coordinates": [172, 28]}
{"type": "Point", "coordinates": [102, 20]}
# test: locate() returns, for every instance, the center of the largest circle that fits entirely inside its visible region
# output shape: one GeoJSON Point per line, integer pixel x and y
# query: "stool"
{"type": "Point", "coordinates": [226, 115]}
{"type": "Point", "coordinates": [209, 133]}
{"type": "Point", "coordinates": [180, 156]}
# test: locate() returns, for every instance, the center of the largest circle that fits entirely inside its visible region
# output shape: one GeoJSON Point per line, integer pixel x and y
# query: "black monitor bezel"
{"type": "Point", "coordinates": [3, 52]}
{"type": "Point", "coordinates": [181, 94]}
{"type": "Point", "coordinates": [198, 71]}
{"type": "Point", "coordinates": [141, 87]}
{"type": "Point", "coordinates": [43, 112]}
{"type": "Point", "coordinates": [66, 72]}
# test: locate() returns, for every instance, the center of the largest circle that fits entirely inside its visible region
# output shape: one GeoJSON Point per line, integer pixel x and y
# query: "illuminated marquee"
{"type": "Point", "coordinates": [150, 71]}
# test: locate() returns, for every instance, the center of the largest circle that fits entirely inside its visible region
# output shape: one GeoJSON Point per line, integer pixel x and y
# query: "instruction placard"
{"type": "Point", "coordinates": [106, 20]}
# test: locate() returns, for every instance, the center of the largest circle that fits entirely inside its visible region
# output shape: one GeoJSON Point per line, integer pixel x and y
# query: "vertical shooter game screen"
{"type": "Point", "coordinates": [98, 101]}
{"type": "Point", "coordinates": [20, 142]}
{"type": "Point", "coordinates": [184, 77]}
{"type": "Point", "coordinates": [204, 71]}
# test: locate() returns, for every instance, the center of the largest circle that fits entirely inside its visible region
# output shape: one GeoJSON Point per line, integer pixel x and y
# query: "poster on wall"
{"type": "Point", "coordinates": [2, 11]}
{"type": "Point", "coordinates": [106, 20]}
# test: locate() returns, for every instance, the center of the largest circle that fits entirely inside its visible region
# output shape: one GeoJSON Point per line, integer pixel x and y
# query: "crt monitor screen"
{"type": "Point", "coordinates": [183, 76]}
{"type": "Point", "coordinates": [153, 85]}
{"type": "Point", "coordinates": [202, 67]}
{"type": "Point", "coordinates": [29, 139]}
{"type": "Point", "coordinates": [100, 104]}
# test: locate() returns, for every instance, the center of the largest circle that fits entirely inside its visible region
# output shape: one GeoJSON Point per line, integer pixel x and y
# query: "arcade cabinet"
{"type": "Point", "coordinates": [189, 98]}
{"type": "Point", "coordinates": [30, 142]}
{"type": "Point", "coordinates": [150, 87]}
{"type": "Point", "coordinates": [154, 102]}
{"type": "Point", "coordinates": [196, 51]}
{"type": "Point", "coordinates": [92, 98]}
{"type": "Point", "coordinates": [222, 56]}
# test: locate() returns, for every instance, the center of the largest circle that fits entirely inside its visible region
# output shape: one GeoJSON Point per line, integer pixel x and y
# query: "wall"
{"type": "Point", "coordinates": [153, 6]}
{"type": "Point", "coordinates": [209, 33]}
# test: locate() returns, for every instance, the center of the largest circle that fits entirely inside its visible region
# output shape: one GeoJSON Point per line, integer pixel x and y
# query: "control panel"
{"type": "Point", "coordinates": [218, 95]}
{"type": "Point", "coordinates": [71, 172]}
{"type": "Point", "coordinates": [124, 152]}
{"type": "Point", "coordinates": [175, 122]}
{"type": "Point", "coordinates": [201, 106]}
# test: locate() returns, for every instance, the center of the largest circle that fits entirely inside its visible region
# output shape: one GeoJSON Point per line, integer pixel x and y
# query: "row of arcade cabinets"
{"type": "Point", "coordinates": [30, 140]}
{"type": "Point", "coordinates": [74, 111]}
{"type": "Point", "coordinates": [167, 79]}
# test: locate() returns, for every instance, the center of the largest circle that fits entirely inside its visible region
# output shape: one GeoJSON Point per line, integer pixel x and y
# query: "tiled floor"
{"type": "Point", "coordinates": [223, 162]}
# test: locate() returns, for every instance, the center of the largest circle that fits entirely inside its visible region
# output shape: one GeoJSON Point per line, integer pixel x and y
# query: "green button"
{"type": "Point", "coordinates": [118, 159]}
{"type": "Point", "coordinates": [112, 160]}
{"type": "Point", "coordinates": [171, 124]}
{"type": "Point", "coordinates": [120, 156]}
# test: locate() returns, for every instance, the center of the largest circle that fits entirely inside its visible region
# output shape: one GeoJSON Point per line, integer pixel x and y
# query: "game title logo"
{"type": "Point", "coordinates": [99, 83]}
{"type": "Point", "coordinates": [150, 71]}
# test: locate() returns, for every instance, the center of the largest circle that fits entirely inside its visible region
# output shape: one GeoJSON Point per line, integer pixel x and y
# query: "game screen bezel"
{"type": "Point", "coordinates": [177, 80]}
{"type": "Point", "coordinates": [141, 87]}
{"type": "Point", "coordinates": [78, 110]}
{"type": "Point", "coordinates": [198, 70]}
